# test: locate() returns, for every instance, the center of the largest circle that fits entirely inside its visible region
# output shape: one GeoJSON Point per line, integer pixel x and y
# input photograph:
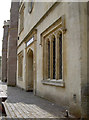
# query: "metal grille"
{"type": "Point", "coordinates": [60, 56]}
{"type": "Point", "coordinates": [54, 58]}
{"type": "Point", "coordinates": [48, 59]}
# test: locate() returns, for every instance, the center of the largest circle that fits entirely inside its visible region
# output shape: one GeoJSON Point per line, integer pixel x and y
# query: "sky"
{"type": "Point", "coordinates": [4, 15]}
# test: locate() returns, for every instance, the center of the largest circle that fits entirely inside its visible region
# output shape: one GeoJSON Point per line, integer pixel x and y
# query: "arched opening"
{"type": "Point", "coordinates": [30, 70]}
{"type": "Point", "coordinates": [54, 57]}
{"type": "Point", "coordinates": [60, 57]}
{"type": "Point", "coordinates": [47, 63]}
{"type": "Point", "coordinates": [48, 59]}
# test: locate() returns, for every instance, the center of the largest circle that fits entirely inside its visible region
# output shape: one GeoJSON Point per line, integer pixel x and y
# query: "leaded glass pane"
{"type": "Point", "coordinates": [48, 59]}
{"type": "Point", "coordinates": [60, 56]}
{"type": "Point", "coordinates": [54, 56]}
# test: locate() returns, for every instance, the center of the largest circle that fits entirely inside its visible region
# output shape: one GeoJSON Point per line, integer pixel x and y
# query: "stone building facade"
{"type": "Point", "coordinates": [9, 48]}
{"type": "Point", "coordinates": [0, 67]}
{"type": "Point", "coordinates": [4, 50]}
{"type": "Point", "coordinates": [52, 52]}
{"type": "Point", "coordinates": [12, 45]}
{"type": "Point", "coordinates": [50, 45]}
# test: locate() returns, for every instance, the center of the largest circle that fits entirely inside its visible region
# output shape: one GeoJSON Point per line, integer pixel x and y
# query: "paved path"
{"type": "Point", "coordinates": [22, 104]}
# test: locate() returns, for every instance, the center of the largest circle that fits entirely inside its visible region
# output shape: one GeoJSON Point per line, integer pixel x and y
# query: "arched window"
{"type": "Point", "coordinates": [54, 54]}
{"type": "Point", "coordinates": [48, 59]}
{"type": "Point", "coordinates": [20, 66]}
{"type": "Point", "coordinates": [54, 57]}
{"type": "Point", "coordinates": [21, 13]}
{"type": "Point", "coordinates": [60, 56]}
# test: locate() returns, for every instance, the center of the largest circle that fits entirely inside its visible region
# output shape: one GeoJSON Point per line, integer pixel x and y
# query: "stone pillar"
{"type": "Point", "coordinates": [85, 89]}
{"type": "Point", "coordinates": [84, 36]}
{"type": "Point", "coordinates": [87, 60]}
{"type": "Point", "coordinates": [12, 48]}
{"type": "Point", "coordinates": [4, 50]}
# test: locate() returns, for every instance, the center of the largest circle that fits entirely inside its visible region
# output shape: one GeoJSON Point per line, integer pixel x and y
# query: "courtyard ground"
{"type": "Point", "coordinates": [24, 105]}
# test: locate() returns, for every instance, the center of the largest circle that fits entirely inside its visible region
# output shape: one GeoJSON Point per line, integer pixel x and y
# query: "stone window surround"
{"type": "Point", "coordinates": [20, 60]}
{"type": "Point", "coordinates": [30, 35]}
{"type": "Point", "coordinates": [55, 29]}
{"type": "Point", "coordinates": [21, 18]}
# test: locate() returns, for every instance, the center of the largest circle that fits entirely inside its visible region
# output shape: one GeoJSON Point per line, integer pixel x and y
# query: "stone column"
{"type": "Point", "coordinates": [87, 60]}
{"type": "Point", "coordinates": [35, 63]}
{"type": "Point", "coordinates": [84, 36]}
{"type": "Point", "coordinates": [4, 50]}
{"type": "Point", "coordinates": [57, 56]}
{"type": "Point", "coordinates": [51, 58]}
{"type": "Point", "coordinates": [12, 49]}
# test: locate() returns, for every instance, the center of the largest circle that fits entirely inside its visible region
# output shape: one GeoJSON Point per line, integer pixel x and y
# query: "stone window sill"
{"type": "Point", "coordinates": [58, 83]}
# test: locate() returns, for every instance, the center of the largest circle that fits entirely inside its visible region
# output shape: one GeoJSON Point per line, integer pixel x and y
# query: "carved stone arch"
{"type": "Point", "coordinates": [53, 36]}
{"type": "Point", "coordinates": [58, 33]}
{"type": "Point", "coordinates": [60, 55]}
{"type": "Point", "coordinates": [46, 52]}
{"type": "Point", "coordinates": [29, 69]}
{"type": "Point", "coordinates": [20, 66]}
{"type": "Point", "coordinates": [47, 40]}
{"type": "Point", "coordinates": [29, 50]}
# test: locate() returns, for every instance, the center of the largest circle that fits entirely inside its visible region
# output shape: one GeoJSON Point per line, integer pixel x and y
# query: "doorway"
{"type": "Point", "coordinates": [30, 71]}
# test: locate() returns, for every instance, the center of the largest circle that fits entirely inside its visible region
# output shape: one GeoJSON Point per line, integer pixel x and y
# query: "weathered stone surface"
{"type": "Point", "coordinates": [4, 50]}
{"type": "Point", "coordinates": [12, 48]}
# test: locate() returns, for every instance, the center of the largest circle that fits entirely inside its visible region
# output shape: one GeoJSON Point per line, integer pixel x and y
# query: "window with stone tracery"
{"type": "Point", "coordinates": [48, 44]}
{"type": "Point", "coordinates": [20, 66]}
{"type": "Point", "coordinates": [60, 56]}
{"type": "Point", "coordinates": [21, 18]}
{"type": "Point", "coordinates": [53, 56]}
{"type": "Point", "coordinates": [54, 59]}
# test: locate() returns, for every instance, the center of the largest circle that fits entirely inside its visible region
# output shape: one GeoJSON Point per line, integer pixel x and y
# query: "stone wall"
{"type": "Point", "coordinates": [12, 48]}
{"type": "Point", "coordinates": [0, 67]}
{"type": "Point", "coordinates": [4, 50]}
{"type": "Point", "coordinates": [73, 93]}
